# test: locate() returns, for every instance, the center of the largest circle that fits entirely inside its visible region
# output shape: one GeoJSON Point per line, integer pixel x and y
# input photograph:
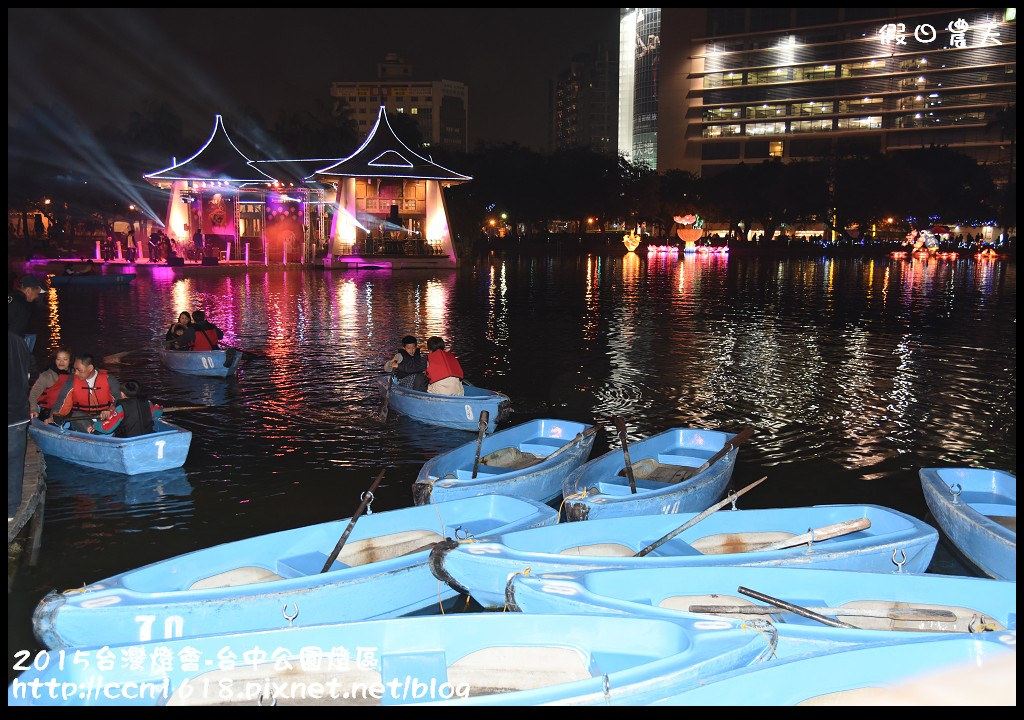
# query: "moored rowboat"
{"type": "Point", "coordinates": [208, 363]}
{"type": "Point", "coordinates": [977, 510]}
{"type": "Point", "coordinates": [165, 448]}
{"type": "Point", "coordinates": [466, 658]}
{"type": "Point", "coordinates": [662, 469]}
{"type": "Point", "coordinates": [867, 538]}
{"type": "Point", "coordinates": [242, 586]}
{"type": "Point", "coordinates": [527, 460]}
{"type": "Point", "coordinates": [69, 280]}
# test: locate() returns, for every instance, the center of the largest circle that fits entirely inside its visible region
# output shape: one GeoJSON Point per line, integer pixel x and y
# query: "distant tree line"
{"type": "Point", "coordinates": [93, 176]}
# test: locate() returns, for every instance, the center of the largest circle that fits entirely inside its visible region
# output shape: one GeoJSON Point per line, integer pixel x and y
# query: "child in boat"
{"type": "Point", "coordinates": [444, 373]}
{"type": "Point", "coordinates": [134, 414]}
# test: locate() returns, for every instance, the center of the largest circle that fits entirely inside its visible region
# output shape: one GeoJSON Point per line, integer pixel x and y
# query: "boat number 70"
{"type": "Point", "coordinates": [174, 627]}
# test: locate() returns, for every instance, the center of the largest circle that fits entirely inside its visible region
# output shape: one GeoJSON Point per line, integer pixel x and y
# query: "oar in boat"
{"type": "Point", "coordinates": [794, 608]}
{"type": "Point", "coordinates": [115, 359]}
{"type": "Point", "coordinates": [686, 473]}
{"type": "Point", "coordinates": [382, 413]}
{"type": "Point", "coordinates": [620, 425]}
{"type": "Point", "coordinates": [484, 417]}
{"type": "Point", "coordinates": [697, 518]}
{"type": "Point", "coordinates": [823, 533]}
{"type": "Point", "coordinates": [367, 499]}
{"type": "Point", "coordinates": [580, 437]}
{"type": "Point", "coordinates": [882, 612]}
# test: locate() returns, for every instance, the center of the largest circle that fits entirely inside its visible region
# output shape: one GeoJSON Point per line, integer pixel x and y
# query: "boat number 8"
{"type": "Point", "coordinates": [469, 413]}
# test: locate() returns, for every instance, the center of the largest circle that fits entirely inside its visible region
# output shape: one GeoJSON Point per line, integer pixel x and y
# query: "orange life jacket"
{"type": "Point", "coordinates": [442, 364]}
{"type": "Point", "coordinates": [49, 395]}
{"type": "Point", "coordinates": [82, 397]}
{"type": "Point", "coordinates": [205, 339]}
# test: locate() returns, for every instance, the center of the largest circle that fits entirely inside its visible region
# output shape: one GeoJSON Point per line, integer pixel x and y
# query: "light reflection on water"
{"type": "Point", "coordinates": [855, 373]}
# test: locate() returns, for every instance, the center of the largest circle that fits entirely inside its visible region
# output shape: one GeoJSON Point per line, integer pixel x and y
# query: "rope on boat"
{"type": "Point", "coordinates": [524, 573]}
{"type": "Point", "coordinates": [581, 495]}
{"type": "Point", "coordinates": [768, 631]}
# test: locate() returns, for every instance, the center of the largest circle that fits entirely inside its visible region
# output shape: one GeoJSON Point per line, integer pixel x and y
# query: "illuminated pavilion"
{"type": "Point", "coordinates": [382, 206]}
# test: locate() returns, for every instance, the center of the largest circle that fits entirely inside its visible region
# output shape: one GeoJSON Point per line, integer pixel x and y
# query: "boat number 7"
{"type": "Point", "coordinates": [174, 627]}
{"type": "Point", "coordinates": [469, 413]}
{"type": "Point", "coordinates": [160, 449]}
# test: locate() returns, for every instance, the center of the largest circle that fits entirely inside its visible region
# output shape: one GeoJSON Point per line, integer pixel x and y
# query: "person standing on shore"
{"type": "Point", "coordinates": [18, 360]}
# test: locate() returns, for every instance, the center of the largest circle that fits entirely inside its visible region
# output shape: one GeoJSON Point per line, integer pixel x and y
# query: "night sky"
{"type": "Point", "coordinates": [104, 63]}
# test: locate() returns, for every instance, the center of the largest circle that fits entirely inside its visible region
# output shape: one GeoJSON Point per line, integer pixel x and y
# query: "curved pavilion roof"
{"type": "Point", "coordinates": [383, 155]}
{"type": "Point", "coordinates": [219, 160]}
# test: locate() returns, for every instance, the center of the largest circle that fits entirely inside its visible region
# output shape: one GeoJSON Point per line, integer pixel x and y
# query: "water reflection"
{"type": "Point", "coordinates": [855, 373]}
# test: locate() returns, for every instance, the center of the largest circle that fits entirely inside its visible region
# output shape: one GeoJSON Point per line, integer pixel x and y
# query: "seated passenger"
{"type": "Point", "coordinates": [409, 365]}
{"type": "Point", "coordinates": [444, 373]}
{"type": "Point", "coordinates": [49, 383]}
{"type": "Point", "coordinates": [133, 416]}
{"type": "Point", "coordinates": [206, 333]}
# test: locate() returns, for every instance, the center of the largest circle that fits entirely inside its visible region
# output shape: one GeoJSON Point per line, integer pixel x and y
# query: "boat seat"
{"type": "Point", "coordinates": [542, 446]}
{"type": "Point", "coordinates": [600, 550]}
{"type": "Point", "coordinates": [248, 575]}
{"type": "Point", "coordinates": [623, 490]}
{"type": "Point", "coordinates": [723, 543]}
{"type": "Point", "coordinates": [503, 669]}
{"type": "Point", "coordinates": [310, 563]}
{"type": "Point", "coordinates": [481, 470]}
{"type": "Point", "coordinates": [386, 547]}
{"type": "Point", "coordinates": [421, 669]}
{"type": "Point", "coordinates": [243, 684]}
{"type": "Point", "coordinates": [511, 458]}
{"type": "Point", "coordinates": [692, 457]}
{"type": "Point", "coordinates": [657, 474]}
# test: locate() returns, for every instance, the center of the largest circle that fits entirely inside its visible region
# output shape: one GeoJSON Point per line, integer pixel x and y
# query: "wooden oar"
{"type": "Point", "coordinates": [115, 359]}
{"type": "Point", "coordinates": [484, 417]}
{"type": "Point", "coordinates": [686, 473]}
{"type": "Point", "coordinates": [620, 425]}
{"type": "Point", "coordinates": [905, 614]}
{"type": "Point", "coordinates": [186, 407]}
{"type": "Point", "coordinates": [823, 533]}
{"type": "Point", "coordinates": [382, 413]}
{"type": "Point", "coordinates": [794, 608]}
{"type": "Point", "coordinates": [697, 518]}
{"type": "Point", "coordinates": [367, 499]}
{"type": "Point", "coordinates": [579, 438]}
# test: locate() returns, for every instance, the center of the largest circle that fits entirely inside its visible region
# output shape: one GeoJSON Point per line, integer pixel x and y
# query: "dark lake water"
{"type": "Point", "coordinates": [855, 373]}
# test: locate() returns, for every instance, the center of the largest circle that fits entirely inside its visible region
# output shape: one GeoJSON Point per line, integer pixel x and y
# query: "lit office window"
{"type": "Point", "coordinates": [816, 72]}
{"type": "Point", "coordinates": [872, 122]}
{"type": "Point", "coordinates": [866, 67]}
{"type": "Point", "coordinates": [812, 107]}
{"type": "Point", "coordinates": [712, 131]}
{"type": "Point", "coordinates": [804, 126]}
{"type": "Point", "coordinates": [775, 149]}
{"type": "Point", "coordinates": [860, 105]}
{"type": "Point", "coordinates": [765, 111]}
{"type": "Point", "coordinates": [711, 114]}
{"type": "Point", "coordinates": [767, 128]}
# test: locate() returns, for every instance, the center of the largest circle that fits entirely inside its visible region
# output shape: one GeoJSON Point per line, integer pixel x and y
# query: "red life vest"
{"type": "Point", "coordinates": [205, 339]}
{"type": "Point", "coordinates": [49, 395]}
{"type": "Point", "coordinates": [93, 399]}
{"type": "Point", "coordinates": [442, 364]}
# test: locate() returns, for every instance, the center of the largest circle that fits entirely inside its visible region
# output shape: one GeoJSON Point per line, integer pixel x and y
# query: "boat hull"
{"type": "Point", "coordinates": [205, 363]}
{"type": "Point", "coordinates": [450, 475]}
{"type": "Point", "coordinates": [74, 280]}
{"type": "Point", "coordinates": [165, 448]}
{"type": "Point", "coordinates": [482, 568]}
{"type": "Point", "coordinates": [967, 518]}
{"type": "Point", "coordinates": [677, 448]}
{"type": "Point", "coordinates": [467, 658]}
{"type": "Point", "coordinates": [460, 412]}
{"type": "Point", "coordinates": [879, 607]}
{"type": "Point", "coordinates": [260, 583]}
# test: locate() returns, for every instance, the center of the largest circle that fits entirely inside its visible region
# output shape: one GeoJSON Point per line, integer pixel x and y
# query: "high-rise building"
{"type": "Point", "coordinates": [440, 107]}
{"type": "Point", "coordinates": [584, 110]}
{"type": "Point", "coordinates": [702, 89]}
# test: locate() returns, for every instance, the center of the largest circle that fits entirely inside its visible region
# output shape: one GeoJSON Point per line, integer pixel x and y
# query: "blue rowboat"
{"type": "Point", "coordinates": [526, 460]}
{"type": "Point", "coordinates": [464, 658]}
{"type": "Point", "coordinates": [878, 607]}
{"type": "Point", "coordinates": [600, 488]}
{"type": "Point", "coordinates": [867, 538]}
{"type": "Point", "coordinates": [946, 670]}
{"type": "Point", "coordinates": [977, 510]}
{"type": "Point", "coordinates": [164, 448]}
{"type": "Point", "coordinates": [209, 363]}
{"type": "Point", "coordinates": [70, 280]}
{"type": "Point", "coordinates": [242, 586]}
{"type": "Point", "coordinates": [461, 412]}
